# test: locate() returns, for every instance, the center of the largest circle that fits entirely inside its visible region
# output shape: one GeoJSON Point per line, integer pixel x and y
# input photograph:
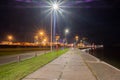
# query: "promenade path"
{"type": "Point", "coordinates": [75, 65]}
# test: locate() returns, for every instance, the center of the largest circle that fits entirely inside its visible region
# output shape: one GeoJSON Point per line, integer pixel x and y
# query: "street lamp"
{"type": "Point", "coordinates": [41, 33]}
{"type": "Point", "coordinates": [36, 37]}
{"type": "Point", "coordinates": [76, 38]}
{"type": "Point", "coordinates": [54, 7]}
{"type": "Point", "coordinates": [66, 32]}
{"type": "Point", "coordinates": [10, 38]}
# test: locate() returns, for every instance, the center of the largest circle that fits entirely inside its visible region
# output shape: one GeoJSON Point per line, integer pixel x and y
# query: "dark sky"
{"type": "Point", "coordinates": [98, 20]}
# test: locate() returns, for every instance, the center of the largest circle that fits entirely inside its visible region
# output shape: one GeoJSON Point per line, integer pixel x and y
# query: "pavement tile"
{"type": "Point", "coordinates": [50, 71]}
{"type": "Point", "coordinates": [76, 68]}
{"type": "Point", "coordinates": [77, 75]}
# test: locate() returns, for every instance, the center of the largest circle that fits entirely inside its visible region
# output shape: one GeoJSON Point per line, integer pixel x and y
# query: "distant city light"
{"type": "Point", "coordinates": [45, 40]}
{"type": "Point", "coordinates": [67, 31]}
{"type": "Point", "coordinates": [36, 37]}
{"type": "Point", "coordinates": [76, 37]}
{"type": "Point", "coordinates": [41, 33]}
{"type": "Point", "coordinates": [10, 37]}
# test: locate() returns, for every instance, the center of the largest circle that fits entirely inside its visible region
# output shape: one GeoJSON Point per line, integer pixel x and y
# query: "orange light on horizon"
{"type": "Point", "coordinates": [45, 40]}
{"type": "Point", "coordinates": [76, 37]}
{"type": "Point", "coordinates": [36, 37]}
{"type": "Point", "coordinates": [10, 37]}
{"type": "Point", "coordinates": [41, 33]}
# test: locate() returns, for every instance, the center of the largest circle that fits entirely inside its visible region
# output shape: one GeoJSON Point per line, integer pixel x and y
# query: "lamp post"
{"type": "Point", "coordinates": [54, 7]}
{"type": "Point", "coordinates": [66, 32]}
{"type": "Point", "coordinates": [51, 34]}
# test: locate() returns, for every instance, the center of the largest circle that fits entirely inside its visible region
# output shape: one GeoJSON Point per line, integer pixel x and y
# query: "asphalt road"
{"type": "Point", "coordinates": [19, 57]}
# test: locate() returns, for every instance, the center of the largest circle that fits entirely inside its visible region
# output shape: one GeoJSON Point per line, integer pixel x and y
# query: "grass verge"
{"type": "Point", "coordinates": [18, 70]}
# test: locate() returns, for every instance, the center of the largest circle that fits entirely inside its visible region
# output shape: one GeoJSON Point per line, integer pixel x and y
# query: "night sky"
{"type": "Point", "coordinates": [98, 20]}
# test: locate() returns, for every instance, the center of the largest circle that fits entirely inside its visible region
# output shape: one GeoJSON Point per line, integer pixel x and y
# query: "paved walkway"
{"type": "Point", "coordinates": [69, 66]}
{"type": "Point", "coordinates": [75, 65]}
{"type": "Point", "coordinates": [100, 69]}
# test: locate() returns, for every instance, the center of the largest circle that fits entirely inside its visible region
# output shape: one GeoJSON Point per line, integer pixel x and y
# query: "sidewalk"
{"type": "Point", "coordinates": [69, 66]}
{"type": "Point", "coordinates": [102, 70]}
{"type": "Point", "coordinates": [76, 65]}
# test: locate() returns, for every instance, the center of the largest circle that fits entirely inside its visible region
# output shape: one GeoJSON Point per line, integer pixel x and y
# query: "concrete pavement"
{"type": "Point", "coordinates": [101, 69]}
{"type": "Point", "coordinates": [75, 65]}
{"type": "Point", "coordinates": [69, 66]}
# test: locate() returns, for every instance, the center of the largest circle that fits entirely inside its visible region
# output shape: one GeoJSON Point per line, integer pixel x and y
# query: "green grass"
{"type": "Point", "coordinates": [12, 51]}
{"type": "Point", "coordinates": [18, 70]}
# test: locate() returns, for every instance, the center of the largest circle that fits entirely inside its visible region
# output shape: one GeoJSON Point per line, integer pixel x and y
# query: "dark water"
{"type": "Point", "coordinates": [110, 55]}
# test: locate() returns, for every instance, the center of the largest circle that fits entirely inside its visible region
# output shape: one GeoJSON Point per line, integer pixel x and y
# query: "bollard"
{"type": "Point", "coordinates": [45, 52]}
{"type": "Point", "coordinates": [35, 54]}
{"type": "Point", "coordinates": [18, 57]}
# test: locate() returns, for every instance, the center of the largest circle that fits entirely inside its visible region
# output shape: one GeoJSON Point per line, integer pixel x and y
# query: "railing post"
{"type": "Point", "coordinates": [18, 58]}
{"type": "Point", "coordinates": [35, 54]}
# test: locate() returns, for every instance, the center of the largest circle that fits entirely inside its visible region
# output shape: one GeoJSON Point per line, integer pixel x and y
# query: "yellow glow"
{"type": "Point", "coordinates": [10, 37]}
{"type": "Point", "coordinates": [36, 37]}
{"type": "Point", "coordinates": [77, 37]}
{"type": "Point", "coordinates": [41, 33]}
{"type": "Point", "coordinates": [45, 40]}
